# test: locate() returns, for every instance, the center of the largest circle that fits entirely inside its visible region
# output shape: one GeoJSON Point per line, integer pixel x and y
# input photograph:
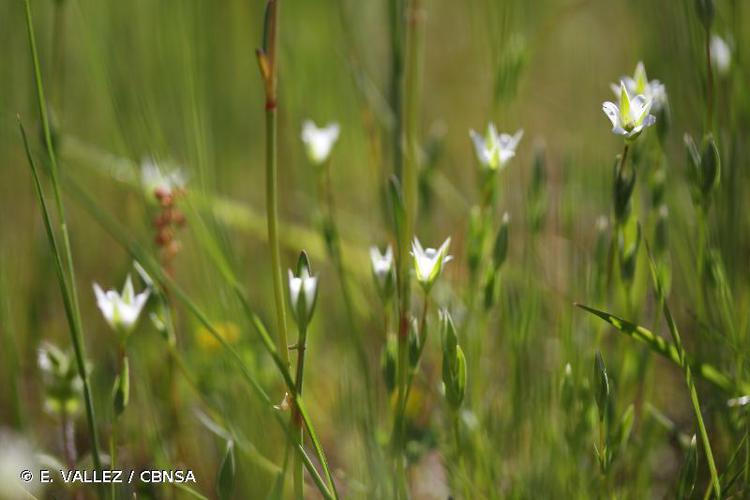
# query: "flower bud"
{"type": "Point", "coordinates": [414, 344]}
{"type": "Point", "coordinates": [500, 249]}
{"type": "Point", "coordinates": [121, 389]}
{"type": "Point", "coordinates": [388, 363]}
{"type": "Point", "coordinates": [303, 291]}
{"type": "Point", "coordinates": [454, 362]}
{"type": "Point", "coordinates": [623, 191]}
{"type": "Point", "coordinates": [706, 12]}
{"type": "Point", "coordinates": [537, 204]}
{"type": "Point", "coordinates": [705, 168]}
{"type": "Point", "coordinates": [601, 386]}
{"type": "Point", "coordinates": [383, 272]}
{"type": "Point", "coordinates": [630, 243]}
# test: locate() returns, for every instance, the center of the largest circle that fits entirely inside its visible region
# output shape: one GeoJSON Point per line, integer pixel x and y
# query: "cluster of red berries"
{"type": "Point", "coordinates": [167, 222]}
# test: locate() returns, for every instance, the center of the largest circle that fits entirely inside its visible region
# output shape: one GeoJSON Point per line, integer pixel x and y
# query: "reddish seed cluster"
{"type": "Point", "coordinates": [167, 222]}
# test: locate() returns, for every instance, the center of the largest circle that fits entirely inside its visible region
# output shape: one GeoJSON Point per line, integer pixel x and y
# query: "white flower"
{"type": "Point", "coordinates": [155, 178]}
{"type": "Point", "coordinates": [428, 263]}
{"type": "Point", "coordinates": [721, 54]}
{"type": "Point", "coordinates": [303, 293]}
{"type": "Point", "coordinates": [319, 141]}
{"type": "Point", "coordinates": [121, 310]}
{"type": "Point", "coordinates": [382, 270]}
{"type": "Point", "coordinates": [631, 116]}
{"type": "Point", "coordinates": [17, 455]}
{"type": "Point", "coordinates": [494, 150]}
{"type": "Point", "coordinates": [639, 84]}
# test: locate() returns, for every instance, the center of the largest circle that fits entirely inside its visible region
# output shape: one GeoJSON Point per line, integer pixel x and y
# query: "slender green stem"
{"type": "Point", "coordinates": [709, 83]}
{"type": "Point", "coordinates": [115, 229]}
{"type": "Point", "coordinates": [298, 468]}
{"type": "Point", "coordinates": [334, 247]}
{"type": "Point", "coordinates": [612, 255]}
{"type": "Point", "coordinates": [694, 400]}
{"type": "Point", "coordinates": [67, 282]}
{"type": "Point", "coordinates": [273, 236]}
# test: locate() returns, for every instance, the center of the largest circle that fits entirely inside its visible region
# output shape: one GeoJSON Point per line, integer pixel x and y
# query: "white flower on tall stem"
{"type": "Point", "coordinates": [303, 294]}
{"type": "Point", "coordinates": [639, 84]}
{"type": "Point", "coordinates": [382, 270]}
{"type": "Point", "coordinates": [121, 310]}
{"type": "Point", "coordinates": [721, 54]}
{"type": "Point", "coordinates": [428, 263]}
{"type": "Point", "coordinates": [631, 116]}
{"type": "Point", "coordinates": [494, 150]}
{"type": "Point", "coordinates": [157, 179]}
{"type": "Point", "coordinates": [319, 141]}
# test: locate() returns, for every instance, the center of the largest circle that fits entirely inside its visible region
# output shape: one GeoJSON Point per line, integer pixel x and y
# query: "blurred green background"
{"type": "Point", "coordinates": [178, 81]}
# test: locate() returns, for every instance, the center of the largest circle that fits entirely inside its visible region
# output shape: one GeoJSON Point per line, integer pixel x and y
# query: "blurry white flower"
{"type": "Point", "coordinates": [157, 179]}
{"type": "Point", "coordinates": [303, 293]}
{"type": "Point", "coordinates": [17, 456]}
{"type": "Point", "coordinates": [121, 310]}
{"type": "Point", "coordinates": [721, 54]}
{"type": "Point", "coordinates": [428, 263]}
{"type": "Point", "coordinates": [740, 401]}
{"type": "Point", "coordinates": [382, 270]}
{"type": "Point", "coordinates": [631, 116]}
{"type": "Point", "coordinates": [319, 141]}
{"type": "Point", "coordinates": [639, 84]}
{"type": "Point", "coordinates": [494, 150]}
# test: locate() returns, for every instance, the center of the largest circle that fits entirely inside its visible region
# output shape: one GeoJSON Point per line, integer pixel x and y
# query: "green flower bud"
{"type": "Point", "coordinates": [623, 191]}
{"type": "Point", "coordinates": [454, 363]}
{"type": "Point", "coordinates": [388, 363]}
{"type": "Point", "coordinates": [303, 291]}
{"type": "Point", "coordinates": [121, 389]}
{"type": "Point", "coordinates": [601, 386]}
{"type": "Point", "coordinates": [688, 472]}
{"type": "Point", "coordinates": [706, 12]}
{"type": "Point", "coordinates": [630, 243]}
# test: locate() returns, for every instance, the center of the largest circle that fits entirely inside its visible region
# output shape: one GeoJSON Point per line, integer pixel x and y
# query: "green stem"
{"type": "Point", "coordinates": [298, 464]}
{"type": "Point", "coordinates": [693, 398]}
{"type": "Point", "coordinates": [67, 283]}
{"type": "Point", "coordinates": [115, 229]}
{"type": "Point", "coordinates": [334, 247]}
{"type": "Point", "coordinates": [709, 83]}
{"type": "Point", "coordinates": [273, 237]}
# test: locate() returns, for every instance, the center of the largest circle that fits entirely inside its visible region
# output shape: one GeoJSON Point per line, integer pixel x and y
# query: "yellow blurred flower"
{"type": "Point", "coordinates": [227, 330]}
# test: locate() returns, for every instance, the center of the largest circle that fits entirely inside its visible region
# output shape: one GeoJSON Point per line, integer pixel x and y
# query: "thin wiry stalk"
{"type": "Point", "coordinates": [688, 378]}
{"type": "Point", "coordinates": [69, 308]}
{"type": "Point", "coordinates": [111, 226]}
{"type": "Point", "coordinates": [67, 283]}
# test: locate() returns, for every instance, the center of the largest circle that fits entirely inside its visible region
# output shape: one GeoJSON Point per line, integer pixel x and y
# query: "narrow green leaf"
{"type": "Point", "coordinates": [226, 474]}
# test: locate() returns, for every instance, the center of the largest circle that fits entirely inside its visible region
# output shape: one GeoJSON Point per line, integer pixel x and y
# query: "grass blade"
{"type": "Point", "coordinates": [668, 350]}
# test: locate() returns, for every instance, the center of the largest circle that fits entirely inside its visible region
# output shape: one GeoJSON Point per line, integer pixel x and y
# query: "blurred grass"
{"type": "Point", "coordinates": [178, 81]}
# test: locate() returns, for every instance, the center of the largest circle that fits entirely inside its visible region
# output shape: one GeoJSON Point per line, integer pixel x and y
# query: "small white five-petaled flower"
{"type": "Point", "coordinates": [631, 116]}
{"type": "Point", "coordinates": [121, 310]}
{"type": "Point", "coordinates": [319, 141]}
{"type": "Point", "coordinates": [156, 178]}
{"type": "Point", "coordinates": [639, 84]}
{"type": "Point", "coordinates": [382, 270]}
{"type": "Point", "coordinates": [494, 150]}
{"type": "Point", "coordinates": [303, 293]}
{"type": "Point", "coordinates": [428, 263]}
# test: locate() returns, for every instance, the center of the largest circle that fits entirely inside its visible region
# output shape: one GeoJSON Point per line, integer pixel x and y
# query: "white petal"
{"type": "Point", "coordinates": [295, 285]}
{"type": "Point", "coordinates": [483, 154]}
{"type": "Point", "coordinates": [613, 113]}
